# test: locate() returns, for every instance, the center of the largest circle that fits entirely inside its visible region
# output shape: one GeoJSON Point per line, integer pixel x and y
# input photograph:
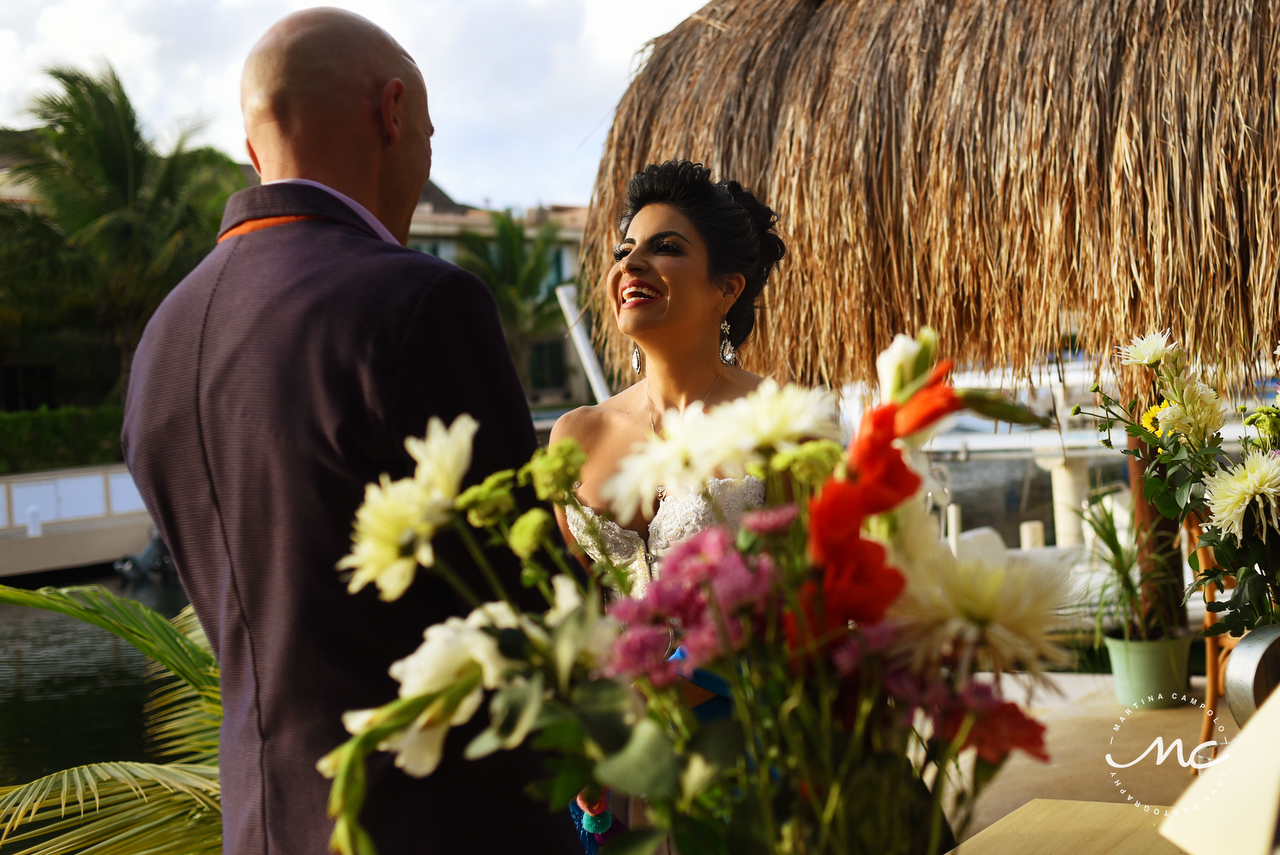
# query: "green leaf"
{"type": "Point", "coordinates": [720, 742]}
{"type": "Point", "coordinates": [993, 405]}
{"type": "Point", "coordinates": [570, 776]}
{"type": "Point", "coordinates": [1183, 497]}
{"type": "Point", "coordinates": [699, 836]}
{"type": "Point", "coordinates": [1219, 628]}
{"type": "Point", "coordinates": [565, 736]}
{"type": "Point", "coordinates": [602, 707]}
{"type": "Point", "coordinates": [647, 766]}
{"type": "Point", "coordinates": [639, 841]}
{"type": "Point", "coordinates": [746, 830]}
{"type": "Point", "coordinates": [485, 743]}
{"type": "Point", "coordinates": [1166, 505]}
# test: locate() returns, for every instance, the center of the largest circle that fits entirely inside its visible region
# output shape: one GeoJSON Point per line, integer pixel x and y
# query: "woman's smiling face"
{"type": "Point", "coordinates": [661, 278]}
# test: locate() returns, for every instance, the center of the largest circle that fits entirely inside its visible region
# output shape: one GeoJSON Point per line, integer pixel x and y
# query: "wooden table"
{"type": "Point", "coordinates": [1059, 827]}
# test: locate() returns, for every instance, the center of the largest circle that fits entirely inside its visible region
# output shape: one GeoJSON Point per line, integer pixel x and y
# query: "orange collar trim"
{"type": "Point", "coordinates": [265, 223]}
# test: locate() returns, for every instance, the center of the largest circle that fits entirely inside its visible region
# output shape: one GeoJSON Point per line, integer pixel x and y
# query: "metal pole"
{"type": "Point", "coordinates": [568, 297]}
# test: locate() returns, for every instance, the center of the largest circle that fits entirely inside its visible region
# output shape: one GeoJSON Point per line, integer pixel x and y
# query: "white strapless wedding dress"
{"type": "Point", "coordinates": [677, 518]}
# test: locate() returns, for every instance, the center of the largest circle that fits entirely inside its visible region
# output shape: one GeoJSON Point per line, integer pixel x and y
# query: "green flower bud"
{"type": "Point", "coordinates": [1095, 388]}
{"type": "Point", "coordinates": [1266, 420]}
{"type": "Point", "coordinates": [529, 532]}
{"type": "Point", "coordinates": [1075, 411]}
{"type": "Point", "coordinates": [811, 463]}
{"type": "Point", "coordinates": [555, 470]}
{"type": "Point", "coordinates": [490, 502]}
{"type": "Point", "coordinates": [927, 338]}
{"type": "Point", "coordinates": [532, 573]}
{"type": "Point", "coordinates": [1241, 409]}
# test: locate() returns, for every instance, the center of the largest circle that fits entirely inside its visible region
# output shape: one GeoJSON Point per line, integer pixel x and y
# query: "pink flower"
{"type": "Point", "coordinates": [631, 611]}
{"type": "Point", "coordinates": [867, 638]}
{"type": "Point", "coordinates": [735, 585]}
{"type": "Point", "coordinates": [914, 691]}
{"type": "Point", "coordinates": [702, 642]}
{"type": "Point", "coordinates": [705, 563]}
{"type": "Point", "coordinates": [641, 650]}
{"type": "Point", "coordinates": [770, 520]}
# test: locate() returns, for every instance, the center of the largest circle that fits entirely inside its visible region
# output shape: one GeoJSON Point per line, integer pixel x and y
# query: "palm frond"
{"type": "Point", "coordinates": [144, 628]}
{"type": "Point", "coordinates": [116, 808]}
{"type": "Point", "coordinates": [182, 724]}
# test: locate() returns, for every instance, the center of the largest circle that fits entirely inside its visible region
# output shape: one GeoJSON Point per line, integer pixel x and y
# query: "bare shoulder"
{"type": "Point", "coordinates": [738, 382]}
{"type": "Point", "coordinates": [584, 424]}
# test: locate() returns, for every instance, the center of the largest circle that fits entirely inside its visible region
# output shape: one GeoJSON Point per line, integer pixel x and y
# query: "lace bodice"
{"type": "Point", "coordinates": [677, 518]}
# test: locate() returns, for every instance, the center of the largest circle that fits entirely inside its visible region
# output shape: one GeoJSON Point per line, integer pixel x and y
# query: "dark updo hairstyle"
{"type": "Point", "coordinates": [737, 228]}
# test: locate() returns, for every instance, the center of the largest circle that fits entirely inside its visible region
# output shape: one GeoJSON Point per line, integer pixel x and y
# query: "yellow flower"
{"type": "Point", "coordinates": [1149, 418]}
{"type": "Point", "coordinates": [392, 536]}
{"type": "Point", "coordinates": [444, 454]}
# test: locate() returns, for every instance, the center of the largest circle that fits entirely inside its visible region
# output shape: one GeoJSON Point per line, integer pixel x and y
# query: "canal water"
{"type": "Point", "coordinates": [71, 693]}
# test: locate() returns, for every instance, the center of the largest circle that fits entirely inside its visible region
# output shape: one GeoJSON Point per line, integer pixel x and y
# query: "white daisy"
{"type": "Point", "coordinates": [771, 419]}
{"type": "Point", "coordinates": [1229, 493]}
{"type": "Point", "coordinates": [1147, 350]}
{"type": "Point", "coordinates": [1197, 417]}
{"type": "Point", "coordinates": [974, 615]}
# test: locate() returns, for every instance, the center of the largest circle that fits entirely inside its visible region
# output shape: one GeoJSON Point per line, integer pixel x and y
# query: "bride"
{"type": "Point", "coordinates": [694, 257]}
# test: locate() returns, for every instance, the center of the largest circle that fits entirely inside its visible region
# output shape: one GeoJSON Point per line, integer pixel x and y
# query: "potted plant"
{"type": "Point", "coordinates": [1189, 477]}
{"type": "Point", "coordinates": [1148, 656]}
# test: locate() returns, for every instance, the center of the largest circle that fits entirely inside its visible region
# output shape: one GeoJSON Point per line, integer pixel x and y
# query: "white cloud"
{"type": "Point", "coordinates": [522, 91]}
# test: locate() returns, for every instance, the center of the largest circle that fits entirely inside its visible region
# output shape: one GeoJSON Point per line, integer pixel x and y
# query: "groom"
{"type": "Point", "coordinates": [277, 380]}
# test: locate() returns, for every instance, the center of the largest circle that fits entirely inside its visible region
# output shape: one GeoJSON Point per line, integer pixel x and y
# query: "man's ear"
{"type": "Point", "coordinates": [392, 123]}
{"type": "Point", "coordinates": [253, 157]}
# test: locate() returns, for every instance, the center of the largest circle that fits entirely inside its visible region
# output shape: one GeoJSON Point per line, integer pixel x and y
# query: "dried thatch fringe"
{"type": "Point", "coordinates": [1008, 171]}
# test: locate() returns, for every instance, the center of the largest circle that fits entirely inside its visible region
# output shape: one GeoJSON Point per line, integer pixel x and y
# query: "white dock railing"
{"type": "Point", "coordinates": [69, 518]}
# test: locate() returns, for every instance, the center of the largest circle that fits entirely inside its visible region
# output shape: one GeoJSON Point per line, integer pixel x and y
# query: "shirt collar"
{"type": "Point", "coordinates": [370, 220]}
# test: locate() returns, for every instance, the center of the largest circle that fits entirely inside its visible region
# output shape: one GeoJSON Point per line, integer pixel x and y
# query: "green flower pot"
{"type": "Point", "coordinates": [1149, 673]}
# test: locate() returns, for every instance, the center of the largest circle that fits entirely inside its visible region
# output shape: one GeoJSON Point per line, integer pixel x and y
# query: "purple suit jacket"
{"type": "Point", "coordinates": [271, 385]}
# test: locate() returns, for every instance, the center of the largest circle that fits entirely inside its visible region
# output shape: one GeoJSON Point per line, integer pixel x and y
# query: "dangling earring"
{"type": "Point", "coordinates": [727, 354]}
{"type": "Point", "coordinates": [637, 360]}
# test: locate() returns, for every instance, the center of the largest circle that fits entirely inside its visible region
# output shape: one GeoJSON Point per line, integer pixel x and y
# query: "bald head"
{"type": "Point", "coordinates": [330, 96]}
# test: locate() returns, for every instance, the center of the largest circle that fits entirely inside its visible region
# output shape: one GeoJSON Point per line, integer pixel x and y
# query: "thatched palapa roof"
{"type": "Point", "coordinates": [1005, 170]}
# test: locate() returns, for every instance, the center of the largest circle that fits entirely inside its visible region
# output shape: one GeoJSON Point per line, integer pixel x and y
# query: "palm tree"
{"type": "Point", "coordinates": [124, 808]}
{"type": "Point", "coordinates": [515, 269]}
{"type": "Point", "coordinates": [117, 223]}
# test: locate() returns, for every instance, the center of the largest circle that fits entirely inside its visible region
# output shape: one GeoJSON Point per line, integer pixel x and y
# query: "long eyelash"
{"type": "Point", "coordinates": [619, 253]}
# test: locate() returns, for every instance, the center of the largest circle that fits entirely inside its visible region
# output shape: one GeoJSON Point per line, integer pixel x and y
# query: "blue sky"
{"type": "Point", "coordinates": [522, 91]}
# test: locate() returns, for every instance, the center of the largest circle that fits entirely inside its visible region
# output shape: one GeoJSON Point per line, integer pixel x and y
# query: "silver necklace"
{"type": "Point", "coordinates": [649, 401]}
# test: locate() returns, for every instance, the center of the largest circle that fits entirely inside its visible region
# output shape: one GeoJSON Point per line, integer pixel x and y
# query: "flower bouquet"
{"type": "Point", "coordinates": [1188, 476]}
{"type": "Point", "coordinates": [848, 638]}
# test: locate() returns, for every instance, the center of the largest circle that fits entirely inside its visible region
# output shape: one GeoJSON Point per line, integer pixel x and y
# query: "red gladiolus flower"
{"type": "Point", "coordinates": [997, 731]}
{"type": "Point", "coordinates": [857, 585]}
{"type": "Point", "coordinates": [934, 400]}
{"type": "Point", "coordinates": [883, 479]}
